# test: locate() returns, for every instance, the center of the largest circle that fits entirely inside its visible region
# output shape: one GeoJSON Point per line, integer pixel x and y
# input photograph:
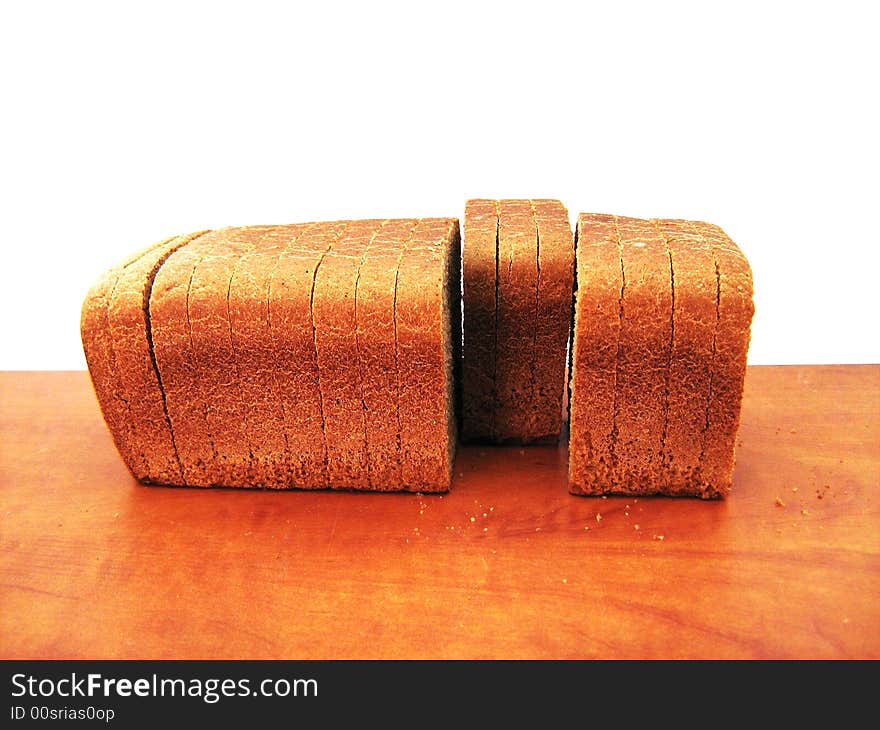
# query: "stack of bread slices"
{"type": "Point", "coordinates": [313, 355]}
{"type": "Point", "coordinates": [333, 354]}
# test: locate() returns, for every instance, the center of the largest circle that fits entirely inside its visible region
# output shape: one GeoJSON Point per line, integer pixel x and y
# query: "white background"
{"type": "Point", "coordinates": [121, 125]}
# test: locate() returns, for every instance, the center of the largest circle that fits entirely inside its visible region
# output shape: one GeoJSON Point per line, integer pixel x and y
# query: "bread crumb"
{"type": "Point", "coordinates": [491, 509]}
{"type": "Point", "coordinates": [115, 515]}
{"type": "Point", "coordinates": [636, 526]}
{"type": "Point", "coordinates": [537, 529]}
{"type": "Point", "coordinates": [794, 489]}
{"type": "Point", "coordinates": [586, 527]}
{"type": "Point", "coordinates": [485, 515]}
{"type": "Point", "coordinates": [845, 620]}
{"type": "Point", "coordinates": [805, 512]}
{"type": "Point", "coordinates": [485, 529]}
{"type": "Point", "coordinates": [473, 519]}
{"type": "Point", "coordinates": [565, 580]}
{"type": "Point", "coordinates": [793, 431]}
{"type": "Point", "coordinates": [779, 502]}
{"type": "Point", "coordinates": [659, 537]}
{"type": "Point", "coordinates": [598, 517]}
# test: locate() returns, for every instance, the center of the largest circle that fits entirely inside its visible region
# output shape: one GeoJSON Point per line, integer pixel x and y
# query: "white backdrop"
{"type": "Point", "coordinates": [120, 126]}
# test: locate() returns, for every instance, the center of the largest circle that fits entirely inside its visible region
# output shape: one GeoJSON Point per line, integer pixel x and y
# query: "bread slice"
{"type": "Point", "coordinates": [112, 388]}
{"type": "Point", "coordinates": [293, 337]}
{"type": "Point", "coordinates": [594, 351]}
{"type": "Point", "coordinates": [643, 357]}
{"type": "Point", "coordinates": [249, 311]}
{"type": "Point", "coordinates": [517, 289]}
{"type": "Point", "coordinates": [376, 329]}
{"type": "Point", "coordinates": [555, 284]}
{"type": "Point", "coordinates": [693, 328]}
{"type": "Point", "coordinates": [480, 264]}
{"type": "Point", "coordinates": [425, 313]}
{"type": "Point", "coordinates": [680, 363]}
{"type": "Point", "coordinates": [175, 354]}
{"type": "Point", "coordinates": [518, 277]}
{"type": "Point", "coordinates": [339, 358]}
{"type": "Point", "coordinates": [728, 365]}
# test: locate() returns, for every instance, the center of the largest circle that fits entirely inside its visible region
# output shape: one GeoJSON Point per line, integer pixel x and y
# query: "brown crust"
{"type": "Point", "coordinates": [130, 331]}
{"type": "Point", "coordinates": [100, 356]}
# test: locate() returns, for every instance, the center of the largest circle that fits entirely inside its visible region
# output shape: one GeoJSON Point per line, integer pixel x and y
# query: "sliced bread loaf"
{"type": "Point", "coordinates": [313, 355]}
{"type": "Point", "coordinates": [681, 340]}
{"type": "Point", "coordinates": [518, 273]}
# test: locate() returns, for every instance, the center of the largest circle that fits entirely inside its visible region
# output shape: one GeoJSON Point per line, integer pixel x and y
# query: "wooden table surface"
{"type": "Point", "coordinates": [508, 565]}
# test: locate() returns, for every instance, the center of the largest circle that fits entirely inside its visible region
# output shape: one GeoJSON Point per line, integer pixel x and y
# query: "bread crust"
{"type": "Point", "coordinates": [100, 356]}
{"type": "Point", "coordinates": [130, 330]}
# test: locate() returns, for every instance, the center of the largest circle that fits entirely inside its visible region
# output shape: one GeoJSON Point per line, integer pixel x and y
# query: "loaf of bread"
{"type": "Point", "coordinates": [311, 356]}
{"type": "Point", "coordinates": [661, 332]}
{"type": "Point", "coordinates": [518, 266]}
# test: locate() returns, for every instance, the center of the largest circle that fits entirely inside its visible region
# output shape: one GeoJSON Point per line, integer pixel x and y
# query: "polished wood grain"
{"type": "Point", "coordinates": [508, 564]}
